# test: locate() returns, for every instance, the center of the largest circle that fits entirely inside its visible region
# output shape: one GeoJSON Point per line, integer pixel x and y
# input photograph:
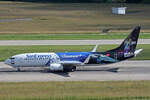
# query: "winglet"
{"type": "Point", "coordinates": [88, 58]}
{"type": "Point", "coordinates": [94, 49]}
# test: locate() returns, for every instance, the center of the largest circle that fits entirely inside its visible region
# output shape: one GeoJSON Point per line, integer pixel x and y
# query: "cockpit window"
{"type": "Point", "coordinates": [12, 58]}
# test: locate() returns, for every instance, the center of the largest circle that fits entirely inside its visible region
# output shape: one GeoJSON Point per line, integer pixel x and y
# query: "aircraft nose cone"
{"type": "Point", "coordinates": [7, 62]}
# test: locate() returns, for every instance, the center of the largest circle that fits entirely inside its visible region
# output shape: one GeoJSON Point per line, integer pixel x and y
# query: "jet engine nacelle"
{"type": "Point", "coordinates": [56, 67]}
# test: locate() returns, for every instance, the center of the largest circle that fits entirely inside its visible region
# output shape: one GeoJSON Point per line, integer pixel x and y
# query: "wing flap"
{"type": "Point", "coordinates": [70, 63]}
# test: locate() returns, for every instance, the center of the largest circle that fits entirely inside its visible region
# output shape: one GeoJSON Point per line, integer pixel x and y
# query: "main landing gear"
{"type": "Point", "coordinates": [18, 69]}
{"type": "Point", "coordinates": [70, 69]}
{"type": "Point", "coordinates": [73, 69]}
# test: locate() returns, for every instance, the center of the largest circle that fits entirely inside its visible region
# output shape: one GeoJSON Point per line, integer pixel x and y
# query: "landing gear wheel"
{"type": "Point", "coordinates": [70, 69]}
{"type": "Point", "coordinates": [18, 69]}
{"type": "Point", "coordinates": [73, 69]}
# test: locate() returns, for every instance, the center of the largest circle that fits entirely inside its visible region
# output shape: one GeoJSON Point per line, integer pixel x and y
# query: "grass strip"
{"type": "Point", "coordinates": [77, 90]}
{"type": "Point", "coordinates": [8, 51]}
{"type": "Point", "coordinates": [57, 17]}
{"type": "Point", "coordinates": [66, 36]}
{"type": "Point", "coordinates": [78, 98]}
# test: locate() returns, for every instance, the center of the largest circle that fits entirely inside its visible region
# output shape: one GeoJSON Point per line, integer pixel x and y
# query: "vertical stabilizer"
{"type": "Point", "coordinates": [128, 46]}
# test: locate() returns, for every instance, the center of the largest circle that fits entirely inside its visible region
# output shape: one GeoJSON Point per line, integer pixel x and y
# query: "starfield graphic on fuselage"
{"type": "Point", "coordinates": [68, 61]}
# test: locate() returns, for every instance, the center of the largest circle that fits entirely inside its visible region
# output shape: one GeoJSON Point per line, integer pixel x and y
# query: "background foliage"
{"type": "Point", "coordinates": [90, 1]}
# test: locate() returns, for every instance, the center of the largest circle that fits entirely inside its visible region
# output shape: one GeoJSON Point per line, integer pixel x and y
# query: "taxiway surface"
{"type": "Point", "coordinates": [67, 42]}
{"type": "Point", "coordinates": [126, 70]}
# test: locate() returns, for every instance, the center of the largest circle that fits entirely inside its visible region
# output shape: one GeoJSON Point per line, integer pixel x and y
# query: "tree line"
{"type": "Point", "coordinates": [87, 1]}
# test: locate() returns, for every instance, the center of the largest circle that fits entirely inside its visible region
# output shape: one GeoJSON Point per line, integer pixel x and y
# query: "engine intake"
{"type": "Point", "coordinates": [56, 67]}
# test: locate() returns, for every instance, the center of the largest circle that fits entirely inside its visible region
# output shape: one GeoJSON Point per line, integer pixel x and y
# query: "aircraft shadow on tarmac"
{"type": "Point", "coordinates": [64, 74]}
{"type": "Point", "coordinates": [114, 70]}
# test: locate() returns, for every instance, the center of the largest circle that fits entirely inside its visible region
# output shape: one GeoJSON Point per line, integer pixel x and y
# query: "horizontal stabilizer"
{"type": "Point", "coordinates": [137, 51]}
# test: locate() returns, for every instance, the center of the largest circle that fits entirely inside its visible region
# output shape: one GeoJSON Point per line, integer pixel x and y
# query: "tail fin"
{"type": "Point", "coordinates": [128, 46]}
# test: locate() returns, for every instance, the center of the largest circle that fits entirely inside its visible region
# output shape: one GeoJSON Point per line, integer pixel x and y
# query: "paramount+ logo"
{"type": "Point", "coordinates": [129, 54]}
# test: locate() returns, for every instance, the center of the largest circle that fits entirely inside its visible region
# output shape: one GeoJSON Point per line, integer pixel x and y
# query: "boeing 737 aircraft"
{"type": "Point", "coordinates": [68, 61]}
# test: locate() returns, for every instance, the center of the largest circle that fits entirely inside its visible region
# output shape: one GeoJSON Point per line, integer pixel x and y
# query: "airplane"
{"type": "Point", "coordinates": [69, 61]}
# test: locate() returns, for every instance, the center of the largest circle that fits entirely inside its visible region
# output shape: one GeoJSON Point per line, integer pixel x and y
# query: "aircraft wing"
{"type": "Point", "coordinates": [76, 63]}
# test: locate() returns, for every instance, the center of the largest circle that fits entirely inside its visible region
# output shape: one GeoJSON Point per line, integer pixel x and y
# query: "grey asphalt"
{"type": "Point", "coordinates": [126, 70]}
{"type": "Point", "coordinates": [67, 42]}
